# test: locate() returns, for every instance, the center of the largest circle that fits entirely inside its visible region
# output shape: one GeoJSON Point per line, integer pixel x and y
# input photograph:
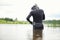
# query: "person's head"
{"type": "Point", "coordinates": [35, 7]}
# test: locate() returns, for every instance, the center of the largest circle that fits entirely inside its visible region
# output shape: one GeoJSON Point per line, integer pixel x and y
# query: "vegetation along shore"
{"type": "Point", "coordinates": [54, 23]}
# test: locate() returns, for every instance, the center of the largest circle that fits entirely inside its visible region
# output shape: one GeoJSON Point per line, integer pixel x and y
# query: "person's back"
{"type": "Point", "coordinates": [38, 16]}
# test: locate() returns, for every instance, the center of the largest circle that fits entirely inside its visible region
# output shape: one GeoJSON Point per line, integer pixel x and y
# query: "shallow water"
{"type": "Point", "coordinates": [25, 32]}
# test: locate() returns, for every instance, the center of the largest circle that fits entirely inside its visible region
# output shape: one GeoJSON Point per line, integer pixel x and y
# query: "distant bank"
{"type": "Point", "coordinates": [54, 23]}
{"type": "Point", "coordinates": [11, 21]}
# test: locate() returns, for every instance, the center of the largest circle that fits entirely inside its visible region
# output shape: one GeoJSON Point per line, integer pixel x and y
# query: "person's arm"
{"type": "Point", "coordinates": [43, 16]}
{"type": "Point", "coordinates": [28, 18]}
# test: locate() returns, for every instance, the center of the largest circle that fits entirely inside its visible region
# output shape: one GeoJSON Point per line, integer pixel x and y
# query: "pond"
{"type": "Point", "coordinates": [25, 32]}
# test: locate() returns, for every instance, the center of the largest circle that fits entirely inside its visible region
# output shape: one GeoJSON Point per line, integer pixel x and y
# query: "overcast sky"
{"type": "Point", "coordinates": [21, 8]}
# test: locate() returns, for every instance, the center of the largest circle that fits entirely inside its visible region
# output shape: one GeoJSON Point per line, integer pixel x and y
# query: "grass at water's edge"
{"type": "Point", "coordinates": [53, 25]}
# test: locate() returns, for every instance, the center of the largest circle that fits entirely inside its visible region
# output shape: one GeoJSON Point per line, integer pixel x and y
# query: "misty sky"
{"type": "Point", "coordinates": [21, 8]}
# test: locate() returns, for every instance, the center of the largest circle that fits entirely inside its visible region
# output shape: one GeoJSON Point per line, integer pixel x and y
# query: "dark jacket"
{"type": "Point", "coordinates": [38, 16]}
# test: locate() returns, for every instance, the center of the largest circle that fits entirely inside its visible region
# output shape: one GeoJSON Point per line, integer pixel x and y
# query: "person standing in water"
{"type": "Point", "coordinates": [38, 16]}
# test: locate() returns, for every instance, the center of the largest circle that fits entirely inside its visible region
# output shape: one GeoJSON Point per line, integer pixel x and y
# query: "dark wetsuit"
{"type": "Point", "coordinates": [38, 16]}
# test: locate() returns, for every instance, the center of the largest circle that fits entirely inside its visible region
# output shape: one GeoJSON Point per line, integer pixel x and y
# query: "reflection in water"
{"type": "Point", "coordinates": [25, 32]}
{"type": "Point", "coordinates": [37, 34]}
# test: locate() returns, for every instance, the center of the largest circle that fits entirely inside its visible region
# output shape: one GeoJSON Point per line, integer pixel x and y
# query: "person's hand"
{"type": "Point", "coordinates": [33, 23]}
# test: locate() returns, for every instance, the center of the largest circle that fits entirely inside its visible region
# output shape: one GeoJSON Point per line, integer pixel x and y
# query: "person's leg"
{"type": "Point", "coordinates": [37, 34]}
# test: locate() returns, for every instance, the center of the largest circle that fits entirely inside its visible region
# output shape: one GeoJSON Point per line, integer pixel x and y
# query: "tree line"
{"type": "Point", "coordinates": [7, 19]}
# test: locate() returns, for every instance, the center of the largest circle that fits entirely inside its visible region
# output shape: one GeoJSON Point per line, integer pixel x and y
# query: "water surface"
{"type": "Point", "coordinates": [25, 32]}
